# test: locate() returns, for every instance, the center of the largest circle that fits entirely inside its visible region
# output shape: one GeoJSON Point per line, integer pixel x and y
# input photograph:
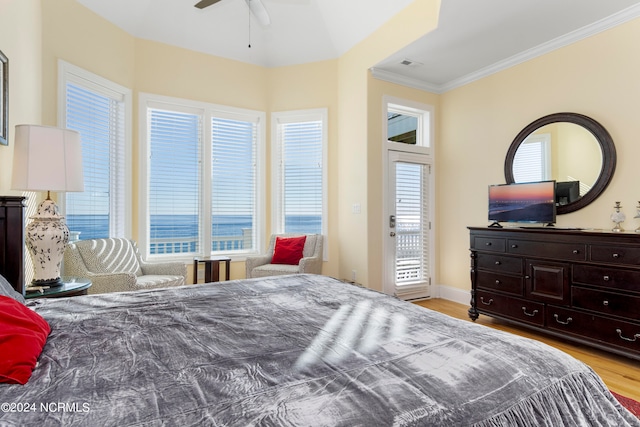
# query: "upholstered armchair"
{"type": "Point", "coordinates": [115, 265]}
{"type": "Point", "coordinates": [311, 261]}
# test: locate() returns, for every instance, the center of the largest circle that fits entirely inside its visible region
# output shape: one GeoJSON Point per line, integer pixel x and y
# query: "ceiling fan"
{"type": "Point", "coordinates": [255, 6]}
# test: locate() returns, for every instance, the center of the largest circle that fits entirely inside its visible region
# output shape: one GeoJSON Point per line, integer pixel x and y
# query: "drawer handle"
{"type": "Point", "coordinates": [486, 303]}
{"type": "Point", "coordinates": [616, 256]}
{"type": "Point", "coordinates": [605, 303]}
{"type": "Point", "coordinates": [524, 310]}
{"type": "Point", "coordinates": [569, 320]}
{"type": "Point", "coordinates": [488, 244]}
{"type": "Point", "coordinates": [635, 337]}
{"type": "Point", "coordinates": [497, 282]}
{"type": "Point", "coordinates": [498, 263]}
{"type": "Point", "coordinates": [576, 252]}
{"type": "Point", "coordinates": [606, 278]}
{"type": "Point", "coordinates": [514, 246]}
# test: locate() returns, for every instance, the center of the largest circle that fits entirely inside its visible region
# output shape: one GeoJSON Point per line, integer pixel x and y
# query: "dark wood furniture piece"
{"type": "Point", "coordinates": [12, 240]}
{"type": "Point", "coordinates": [70, 287]}
{"type": "Point", "coordinates": [579, 285]}
{"type": "Point", "coordinates": [211, 268]}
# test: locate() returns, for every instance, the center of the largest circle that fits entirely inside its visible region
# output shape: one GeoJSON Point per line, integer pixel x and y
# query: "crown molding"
{"type": "Point", "coordinates": [396, 78]}
{"type": "Point", "coordinates": [604, 24]}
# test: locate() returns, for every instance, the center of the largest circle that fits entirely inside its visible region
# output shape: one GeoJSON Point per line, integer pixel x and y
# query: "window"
{"type": "Point", "coordinates": [408, 128]}
{"type": "Point", "coordinates": [200, 174]}
{"type": "Point", "coordinates": [100, 110]}
{"type": "Point", "coordinates": [532, 161]}
{"type": "Point", "coordinates": [299, 171]}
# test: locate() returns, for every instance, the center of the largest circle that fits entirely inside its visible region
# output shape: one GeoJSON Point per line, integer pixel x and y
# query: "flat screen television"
{"type": "Point", "coordinates": [567, 192]}
{"type": "Point", "coordinates": [530, 202]}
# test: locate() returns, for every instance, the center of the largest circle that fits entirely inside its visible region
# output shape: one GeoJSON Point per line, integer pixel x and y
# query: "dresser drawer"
{"type": "Point", "coordinates": [483, 243]}
{"type": "Point", "coordinates": [510, 307]}
{"type": "Point", "coordinates": [501, 282]}
{"type": "Point", "coordinates": [609, 303]}
{"type": "Point", "coordinates": [607, 277]}
{"type": "Point", "coordinates": [602, 330]}
{"type": "Point", "coordinates": [554, 250]}
{"type": "Point", "coordinates": [500, 263]}
{"type": "Point", "coordinates": [629, 255]}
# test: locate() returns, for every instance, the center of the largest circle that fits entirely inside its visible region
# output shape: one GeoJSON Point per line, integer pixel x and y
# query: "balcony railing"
{"type": "Point", "coordinates": [409, 256]}
{"type": "Point", "coordinates": [180, 245]}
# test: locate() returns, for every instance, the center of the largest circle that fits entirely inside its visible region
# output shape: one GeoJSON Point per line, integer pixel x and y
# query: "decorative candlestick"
{"type": "Point", "coordinates": [637, 230]}
{"type": "Point", "coordinates": [618, 218]}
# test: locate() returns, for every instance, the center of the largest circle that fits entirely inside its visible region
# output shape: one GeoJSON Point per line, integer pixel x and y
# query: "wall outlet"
{"type": "Point", "coordinates": [353, 276]}
{"type": "Point", "coordinates": [356, 209]}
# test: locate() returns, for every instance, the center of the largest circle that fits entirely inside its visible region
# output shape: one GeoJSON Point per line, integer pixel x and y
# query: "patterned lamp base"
{"type": "Point", "coordinates": [46, 238]}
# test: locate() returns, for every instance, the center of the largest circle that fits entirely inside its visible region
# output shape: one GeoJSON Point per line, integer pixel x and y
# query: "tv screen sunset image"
{"type": "Point", "coordinates": [528, 202]}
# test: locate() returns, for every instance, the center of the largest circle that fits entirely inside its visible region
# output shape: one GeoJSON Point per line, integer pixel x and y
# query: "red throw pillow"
{"type": "Point", "coordinates": [288, 250]}
{"type": "Point", "coordinates": [23, 333]}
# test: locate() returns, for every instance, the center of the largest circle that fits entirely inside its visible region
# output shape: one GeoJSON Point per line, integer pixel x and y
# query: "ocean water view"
{"type": "Point", "coordinates": [179, 233]}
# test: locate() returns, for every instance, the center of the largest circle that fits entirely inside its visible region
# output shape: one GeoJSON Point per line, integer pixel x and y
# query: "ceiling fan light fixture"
{"type": "Point", "coordinates": [205, 3]}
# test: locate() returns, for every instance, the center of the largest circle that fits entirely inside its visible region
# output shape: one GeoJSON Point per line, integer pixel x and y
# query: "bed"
{"type": "Point", "coordinates": [300, 350]}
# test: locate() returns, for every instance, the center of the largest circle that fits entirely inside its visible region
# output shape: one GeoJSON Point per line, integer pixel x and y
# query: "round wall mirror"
{"type": "Point", "coordinates": [574, 150]}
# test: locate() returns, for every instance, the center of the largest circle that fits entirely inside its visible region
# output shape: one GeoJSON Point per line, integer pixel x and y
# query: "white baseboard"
{"type": "Point", "coordinates": [451, 294]}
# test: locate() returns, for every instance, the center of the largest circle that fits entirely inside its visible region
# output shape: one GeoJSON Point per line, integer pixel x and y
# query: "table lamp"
{"type": "Point", "coordinates": [47, 159]}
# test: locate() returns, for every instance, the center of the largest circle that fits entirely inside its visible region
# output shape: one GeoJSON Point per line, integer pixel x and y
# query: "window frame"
{"type": "Point", "coordinates": [425, 137]}
{"type": "Point", "coordinates": [297, 116]}
{"type": "Point", "coordinates": [542, 143]}
{"type": "Point", "coordinates": [69, 73]}
{"type": "Point", "coordinates": [207, 112]}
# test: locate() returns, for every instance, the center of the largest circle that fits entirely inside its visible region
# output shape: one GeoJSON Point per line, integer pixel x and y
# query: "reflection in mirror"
{"type": "Point", "coordinates": [572, 149]}
{"type": "Point", "coordinates": [564, 152]}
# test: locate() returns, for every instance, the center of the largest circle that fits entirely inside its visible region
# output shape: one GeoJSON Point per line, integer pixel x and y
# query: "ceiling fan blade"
{"type": "Point", "coordinates": [205, 3]}
{"type": "Point", "coordinates": [257, 8]}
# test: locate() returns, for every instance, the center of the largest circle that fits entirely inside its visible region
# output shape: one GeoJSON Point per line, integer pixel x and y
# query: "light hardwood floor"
{"type": "Point", "coordinates": [620, 374]}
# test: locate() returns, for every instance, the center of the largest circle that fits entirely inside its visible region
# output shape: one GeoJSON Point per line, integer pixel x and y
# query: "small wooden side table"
{"type": "Point", "coordinates": [70, 287]}
{"type": "Point", "coordinates": [211, 268]}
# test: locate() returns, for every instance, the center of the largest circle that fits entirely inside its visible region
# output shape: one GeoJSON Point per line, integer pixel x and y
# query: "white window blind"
{"type": "Point", "coordinates": [202, 194]}
{"type": "Point", "coordinates": [233, 186]}
{"type": "Point", "coordinates": [99, 211]}
{"type": "Point", "coordinates": [412, 223]}
{"type": "Point", "coordinates": [300, 172]}
{"type": "Point", "coordinates": [532, 161]}
{"type": "Point", "coordinates": [174, 184]}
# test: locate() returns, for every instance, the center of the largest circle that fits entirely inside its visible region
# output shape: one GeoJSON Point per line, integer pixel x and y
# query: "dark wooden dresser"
{"type": "Point", "coordinates": [580, 285]}
{"type": "Point", "coordinates": [12, 240]}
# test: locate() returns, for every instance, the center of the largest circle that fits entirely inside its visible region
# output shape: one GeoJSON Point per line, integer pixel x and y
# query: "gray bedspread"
{"type": "Point", "coordinates": [293, 351]}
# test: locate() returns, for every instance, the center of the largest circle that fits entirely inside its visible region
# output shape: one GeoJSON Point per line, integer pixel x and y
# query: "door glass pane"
{"type": "Point", "coordinates": [412, 223]}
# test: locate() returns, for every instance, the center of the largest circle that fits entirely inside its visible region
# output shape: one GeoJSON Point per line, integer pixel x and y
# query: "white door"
{"type": "Point", "coordinates": [409, 235]}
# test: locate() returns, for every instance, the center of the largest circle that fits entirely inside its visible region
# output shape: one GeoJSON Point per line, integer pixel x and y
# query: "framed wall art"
{"type": "Point", "coordinates": [4, 99]}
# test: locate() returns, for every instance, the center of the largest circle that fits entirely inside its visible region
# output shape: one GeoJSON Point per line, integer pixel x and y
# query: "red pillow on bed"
{"type": "Point", "coordinates": [23, 333]}
{"type": "Point", "coordinates": [288, 250]}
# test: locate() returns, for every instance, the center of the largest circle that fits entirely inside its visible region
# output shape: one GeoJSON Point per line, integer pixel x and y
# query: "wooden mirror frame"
{"type": "Point", "coordinates": [602, 137]}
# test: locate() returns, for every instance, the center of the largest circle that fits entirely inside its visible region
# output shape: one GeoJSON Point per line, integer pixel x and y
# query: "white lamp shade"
{"type": "Point", "coordinates": [47, 158]}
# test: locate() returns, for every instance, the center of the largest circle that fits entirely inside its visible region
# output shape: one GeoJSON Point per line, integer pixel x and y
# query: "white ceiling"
{"type": "Point", "coordinates": [473, 38]}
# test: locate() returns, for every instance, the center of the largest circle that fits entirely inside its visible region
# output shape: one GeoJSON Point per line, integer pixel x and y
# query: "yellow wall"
{"type": "Point", "coordinates": [20, 41]}
{"type": "Point", "coordinates": [597, 77]}
{"type": "Point", "coordinates": [377, 89]}
{"type": "Point", "coordinates": [146, 66]}
{"type": "Point", "coordinates": [310, 86]}
{"type": "Point", "coordinates": [358, 157]}
{"type": "Point", "coordinates": [475, 123]}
